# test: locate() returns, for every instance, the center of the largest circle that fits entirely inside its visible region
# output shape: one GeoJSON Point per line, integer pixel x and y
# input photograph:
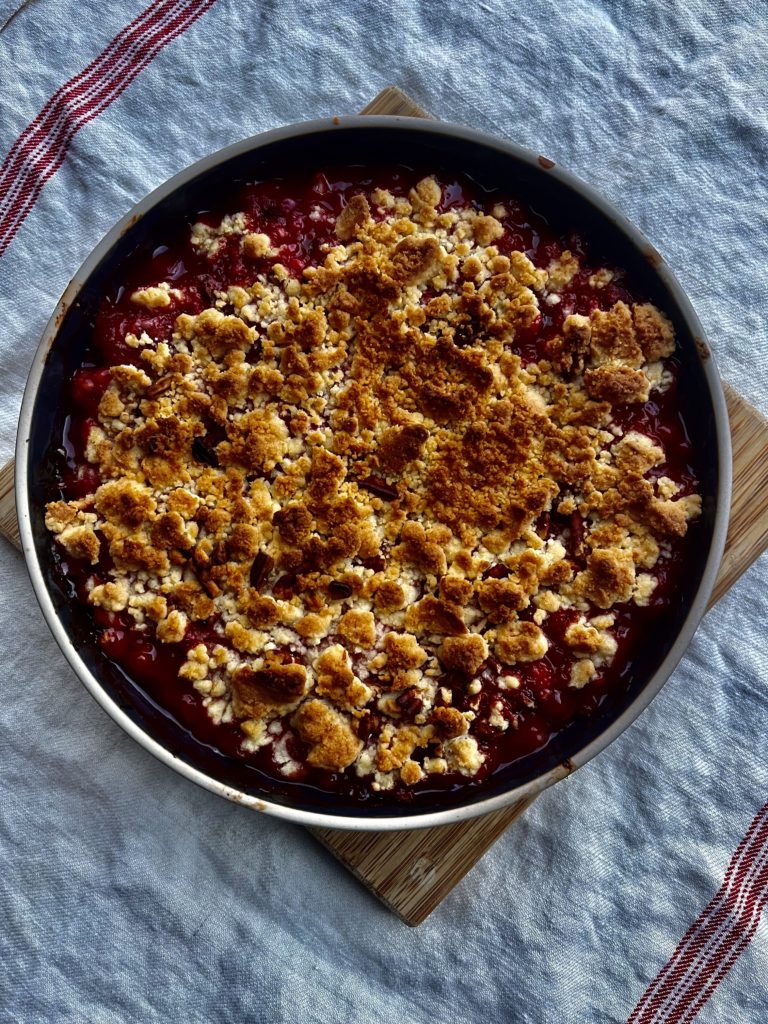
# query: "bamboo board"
{"type": "Point", "coordinates": [412, 871]}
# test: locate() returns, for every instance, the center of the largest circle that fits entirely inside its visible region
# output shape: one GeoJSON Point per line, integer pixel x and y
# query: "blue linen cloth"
{"type": "Point", "coordinates": [128, 894]}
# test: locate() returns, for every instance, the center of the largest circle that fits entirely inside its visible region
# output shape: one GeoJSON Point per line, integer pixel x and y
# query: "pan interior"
{"type": "Point", "coordinates": [490, 168]}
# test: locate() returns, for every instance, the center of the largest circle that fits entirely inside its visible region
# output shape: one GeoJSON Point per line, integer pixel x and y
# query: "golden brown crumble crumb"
{"type": "Point", "coordinates": [670, 518]}
{"type": "Point", "coordinates": [613, 336]}
{"type": "Point", "coordinates": [582, 672]}
{"type": "Point", "coordinates": [520, 641]}
{"type": "Point", "coordinates": [486, 229]}
{"type": "Point", "coordinates": [609, 577]}
{"type": "Point", "coordinates": [400, 446]}
{"type": "Point", "coordinates": [455, 590]}
{"type": "Point", "coordinates": [336, 680]}
{"type": "Point", "coordinates": [411, 773]}
{"type": "Point", "coordinates": [562, 271]}
{"type": "Point", "coordinates": [464, 653]}
{"type": "Point", "coordinates": [313, 626]}
{"type": "Point", "coordinates": [112, 596]}
{"type": "Point", "coordinates": [501, 599]}
{"type": "Point", "coordinates": [358, 627]}
{"type": "Point", "coordinates": [81, 542]}
{"type": "Point", "coordinates": [654, 332]}
{"type": "Point", "coordinates": [431, 615]}
{"type": "Point", "coordinates": [172, 629]}
{"type": "Point", "coordinates": [415, 260]}
{"type": "Point", "coordinates": [389, 597]}
{"type": "Point", "coordinates": [59, 515]}
{"type": "Point", "coordinates": [396, 746]}
{"type": "Point", "coordinates": [125, 502]}
{"type": "Point", "coordinates": [403, 651]}
{"type": "Point", "coordinates": [449, 722]}
{"type": "Point", "coordinates": [418, 549]}
{"type": "Point", "coordinates": [332, 743]}
{"type": "Point", "coordinates": [616, 384]}
{"type": "Point", "coordinates": [256, 245]}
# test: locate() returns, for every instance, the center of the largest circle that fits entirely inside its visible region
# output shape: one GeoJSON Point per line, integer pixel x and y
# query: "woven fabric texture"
{"type": "Point", "coordinates": [128, 894]}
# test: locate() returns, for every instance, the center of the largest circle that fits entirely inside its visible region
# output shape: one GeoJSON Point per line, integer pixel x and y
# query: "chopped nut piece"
{"type": "Point", "coordinates": [256, 691]}
{"type": "Point", "coordinates": [352, 217]}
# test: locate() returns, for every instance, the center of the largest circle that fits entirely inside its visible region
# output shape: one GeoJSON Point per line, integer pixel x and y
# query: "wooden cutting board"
{"type": "Point", "coordinates": [412, 871]}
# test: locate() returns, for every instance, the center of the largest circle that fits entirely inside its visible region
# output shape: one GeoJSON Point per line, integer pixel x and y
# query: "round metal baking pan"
{"type": "Point", "coordinates": [377, 141]}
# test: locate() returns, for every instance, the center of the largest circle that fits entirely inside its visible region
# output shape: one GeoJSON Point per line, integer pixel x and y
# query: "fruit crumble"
{"type": "Point", "coordinates": [372, 481]}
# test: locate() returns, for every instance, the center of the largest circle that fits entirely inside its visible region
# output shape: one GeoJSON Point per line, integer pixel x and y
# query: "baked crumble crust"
{"type": "Point", "coordinates": [348, 473]}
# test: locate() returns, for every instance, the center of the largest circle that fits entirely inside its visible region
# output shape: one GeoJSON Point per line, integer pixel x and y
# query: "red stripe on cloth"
{"type": "Point", "coordinates": [733, 940]}
{"type": "Point", "coordinates": [86, 96]}
{"type": "Point", "coordinates": [56, 107]}
{"type": "Point", "coordinates": [740, 940]}
{"type": "Point", "coordinates": [58, 122]}
{"type": "Point", "coordinates": [714, 934]}
{"type": "Point", "coordinates": [714, 942]}
{"type": "Point", "coordinates": [37, 170]}
{"type": "Point", "coordinates": [704, 931]}
{"type": "Point", "coordinates": [42, 147]}
{"type": "Point", "coordinates": [705, 953]}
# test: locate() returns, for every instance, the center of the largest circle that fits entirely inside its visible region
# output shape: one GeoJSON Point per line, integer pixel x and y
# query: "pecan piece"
{"type": "Point", "coordinates": [380, 488]}
{"type": "Point", "coordinates": [261, 567]}
{"type": "Point", "coordinates": [203, 453]}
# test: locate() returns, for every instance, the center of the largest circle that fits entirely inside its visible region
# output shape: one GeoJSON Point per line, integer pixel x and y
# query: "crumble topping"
{"type": "Point", "coordinates": [374, 503]}
{"type": "Point", "coordinates": [157, 296]}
